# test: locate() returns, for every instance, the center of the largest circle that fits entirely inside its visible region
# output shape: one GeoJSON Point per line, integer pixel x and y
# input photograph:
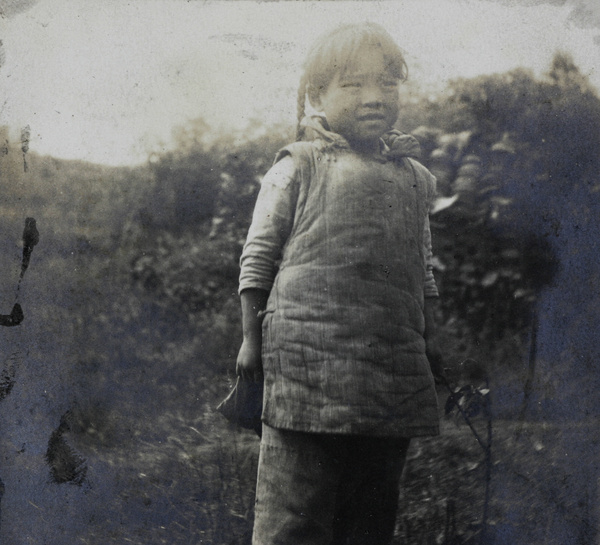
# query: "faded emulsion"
{"type": "Point", "coordinates": [121, 337]}
{"type": "Point", "coordinates": [9, 372]}
{"type": "Point", "coordinates": [66, 464]}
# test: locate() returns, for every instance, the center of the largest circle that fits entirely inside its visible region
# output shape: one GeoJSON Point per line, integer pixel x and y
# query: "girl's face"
{"type": "Point", "coordinates": [361, 103]}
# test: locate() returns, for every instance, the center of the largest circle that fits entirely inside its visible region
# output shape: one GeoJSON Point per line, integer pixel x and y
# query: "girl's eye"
{"type": "Point", "coordinates": [349, 84]}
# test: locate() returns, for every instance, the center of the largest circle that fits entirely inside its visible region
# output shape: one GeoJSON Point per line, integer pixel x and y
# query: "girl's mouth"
{"type": "Point", "coordinates": [371, 117]}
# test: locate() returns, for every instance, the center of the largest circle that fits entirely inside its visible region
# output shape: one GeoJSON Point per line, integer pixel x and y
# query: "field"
{"type": "Point", "coordinates": [132, 325]}
{"type": "Point", "coordinates": [141, 457]}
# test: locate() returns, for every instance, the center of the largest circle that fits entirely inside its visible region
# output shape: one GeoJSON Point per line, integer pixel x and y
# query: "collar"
{"type": "Point", "coordinates": [393, 144]}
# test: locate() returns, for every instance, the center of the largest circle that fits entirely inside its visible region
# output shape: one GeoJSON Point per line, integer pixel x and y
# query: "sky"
{"type": "Point", "coordinates": [108, 81]}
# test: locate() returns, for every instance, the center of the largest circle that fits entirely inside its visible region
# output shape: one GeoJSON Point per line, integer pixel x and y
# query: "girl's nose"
{"type": "Point", "coordinates": [372, 95]}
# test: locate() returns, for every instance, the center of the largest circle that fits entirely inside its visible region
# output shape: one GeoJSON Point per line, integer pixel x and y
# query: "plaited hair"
{"type": "Point", "coordinates": [300, 105]}
{"type": "Point", "coordinates": [334, 52]}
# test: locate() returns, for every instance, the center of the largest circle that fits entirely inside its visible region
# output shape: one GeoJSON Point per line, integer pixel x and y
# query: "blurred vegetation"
{"type": "Point", "coordinates": [148, 258]}
{"type": "Point", "coordinates": [510, 148]}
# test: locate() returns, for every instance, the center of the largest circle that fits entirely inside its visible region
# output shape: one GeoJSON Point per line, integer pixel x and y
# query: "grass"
{"type": "Point", "coordinates": [192, 481]}
{"type": "Point", "coordinates": [164, 468]}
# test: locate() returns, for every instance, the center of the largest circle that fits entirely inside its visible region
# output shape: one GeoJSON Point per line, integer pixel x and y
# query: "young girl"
{"type": "Point", "coordinates": [336, 288]}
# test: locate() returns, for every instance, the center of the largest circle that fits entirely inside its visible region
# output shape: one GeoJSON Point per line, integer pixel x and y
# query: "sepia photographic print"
{"type": "Point", "coordinates": [299, 272]}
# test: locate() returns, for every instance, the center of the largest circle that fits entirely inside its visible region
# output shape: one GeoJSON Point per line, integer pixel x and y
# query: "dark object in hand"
{"type": "Point", "coordinates": [14, 318]}
{"type": "Point", "coordinates": [243, 405]}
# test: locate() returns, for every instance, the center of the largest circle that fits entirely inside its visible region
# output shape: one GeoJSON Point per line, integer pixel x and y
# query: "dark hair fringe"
{"type": "Point", "coordinates": [301, 106]}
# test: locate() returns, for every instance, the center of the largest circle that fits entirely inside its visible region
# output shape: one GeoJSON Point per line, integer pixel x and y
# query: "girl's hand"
{"type": "Point", "coordinates": [249, 361]}
{"type": "Point", "coordinates": [432, 345]}
{"type": "Point", "coordinates": [436, 360]}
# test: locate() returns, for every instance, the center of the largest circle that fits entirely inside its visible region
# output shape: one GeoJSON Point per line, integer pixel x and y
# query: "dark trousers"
{"type": "Point", "coordinates": [318, 489]}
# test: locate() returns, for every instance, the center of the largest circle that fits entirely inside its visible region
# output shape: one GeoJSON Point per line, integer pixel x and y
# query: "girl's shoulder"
{"type": "Point", "coordinates": [419, 168]}
{"type": "Point", "coordinates": [292, 163]}
{"type": "Point", "coordinates": [300, 151]}
{"type": "Point", "coordinates": [423, 177]}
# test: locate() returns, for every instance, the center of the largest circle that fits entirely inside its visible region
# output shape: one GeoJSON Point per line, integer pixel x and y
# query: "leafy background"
{"type": "Point", "coordinates": [132, 327]}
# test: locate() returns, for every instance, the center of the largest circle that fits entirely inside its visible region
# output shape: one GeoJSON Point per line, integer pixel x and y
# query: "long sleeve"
{"type": "Point", "coordinates": [430, 289]}
{"type": "Point", "coordinates": [272, 222]}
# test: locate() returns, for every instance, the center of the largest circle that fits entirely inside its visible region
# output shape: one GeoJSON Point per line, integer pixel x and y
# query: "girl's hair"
{"type": "Point", "coordinates": [334, 52]}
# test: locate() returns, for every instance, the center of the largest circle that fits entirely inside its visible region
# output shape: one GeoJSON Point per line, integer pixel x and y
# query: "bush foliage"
{"type": "Point", "coordinates": [506, 150]}
{"type": "Point", "coordinates": [142, 264]}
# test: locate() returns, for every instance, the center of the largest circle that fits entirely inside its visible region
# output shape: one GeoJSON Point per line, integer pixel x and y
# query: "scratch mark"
{"type": "Point", "coordinates": [25, 136]}
{"type": "Point", "coordinates": [66, 464]}
{"type": "Point", "coordinates": [31, 237]}
{"type": "Point", "coordinates": [14, 318]}
{"type": "Point", "coordinates": [7, 375]}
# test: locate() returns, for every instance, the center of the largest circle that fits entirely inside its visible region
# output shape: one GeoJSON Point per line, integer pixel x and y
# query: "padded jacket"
{"type": "Point", "coordinates": [342, 243]}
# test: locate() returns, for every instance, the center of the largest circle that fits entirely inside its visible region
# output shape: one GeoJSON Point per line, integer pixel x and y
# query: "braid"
{"type": "Point", "coordinates": [301, 105]}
